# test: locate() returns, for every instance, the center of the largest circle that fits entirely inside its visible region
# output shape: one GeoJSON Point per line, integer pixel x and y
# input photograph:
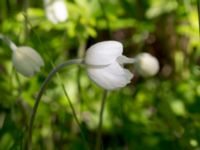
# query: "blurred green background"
{"type": "Point", "coordinates": [157, 113]}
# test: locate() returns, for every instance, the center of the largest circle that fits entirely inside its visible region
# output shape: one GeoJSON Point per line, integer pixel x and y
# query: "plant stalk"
{"type": "Point", "coordinates": [106, 18]}
{"type": "Point", "coordinates": [98, 140]}
{"type": "Point", "coordinates": [38, 98]}
{"type": "Point", "coordinates": [198, 9]}
{"type": "Point", "coordinates": [12, 45]}
{"type": "Point", "coordinates": [75, 117]}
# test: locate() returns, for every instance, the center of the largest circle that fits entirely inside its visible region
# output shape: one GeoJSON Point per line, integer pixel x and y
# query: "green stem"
{"type": "Point", "coordinates": [12, 45]}
{"type": "Point", "coordinates": [81, 53]}
{"type": "Point", "coordinates": [98, 140]}
{"type": "Point", "coordinates": [198, 8]}
{"type": "Point", "coordinates": [105, 17]}
{"type": "Point", "coordinates": [42, 89]}
{"type": "Point", "coordinates": [73, 110]}
{"type": "Point", "coordinates": [75, 116]}
{"type": "Point", "coordinates": [25, 13]}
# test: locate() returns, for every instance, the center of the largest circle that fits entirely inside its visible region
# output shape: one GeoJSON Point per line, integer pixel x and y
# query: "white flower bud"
{"type": "Point", "coordinates": [105, 65]}
{"type": "Point", "coordinates": [26, 61]}
{"type": "Point", "coordinates": [146, 65]}
{"type": "Point", "coordinates": [56, 10]}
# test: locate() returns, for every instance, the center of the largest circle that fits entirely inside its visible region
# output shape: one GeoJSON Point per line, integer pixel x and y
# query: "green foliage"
{"type": "Point", "coordinates": [157, 113]}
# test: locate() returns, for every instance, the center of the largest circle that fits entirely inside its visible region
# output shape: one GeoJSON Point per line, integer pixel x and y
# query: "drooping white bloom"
{"type": "Point", "coordinates": [146, 64]}
{"type": "Point", "coordinates": [26, 60]}
{"type": "Point", "coordinates": [105, 65]}
{"type": "Point", "coordinates": [56, 10]}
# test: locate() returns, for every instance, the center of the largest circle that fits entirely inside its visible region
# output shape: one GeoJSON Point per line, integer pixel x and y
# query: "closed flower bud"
{"type": "Point", "coordinates": [26, 61]}
{"type": "Point", "coordinates": [146, 65]}
{"type": "Point", "coordinates": [56, 10]}
{"type": "Point", "coordinates": [105, 65]}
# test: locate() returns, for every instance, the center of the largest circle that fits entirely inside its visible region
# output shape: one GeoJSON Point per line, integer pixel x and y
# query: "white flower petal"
{"type": "Point", "coordinates": [27, 61]}
{"type": "Point", "coordinates": [31, 54]}
{"type": "Point", "coordinates": [103, 53]}
{"type": "Point", "coordinates": [22, 64]}
{"type": "Point", "coordinates": [110, 77]}
{"type": "Point", "coordinates": [56, 10]}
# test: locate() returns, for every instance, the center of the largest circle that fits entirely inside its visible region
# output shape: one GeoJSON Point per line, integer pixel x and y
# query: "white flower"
{"type": "Point", "coordinates": [105, 65]}
{"type": "Point", "coordinates": [146, 64]}
{"type": "Point", "coordinates": [26, 60]}
{"type": "Point", "coordinates": [56, 10]}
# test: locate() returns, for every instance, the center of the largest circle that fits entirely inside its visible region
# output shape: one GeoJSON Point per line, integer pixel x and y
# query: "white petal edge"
{"type": "Point", "coordinates": [110, 77]}
{"type": "Point", "coordinates": [31, 54]}
{"type": "Point", "coordinates": [103, 53]}
{"type": "Point", "coordinates": [27, 61]}
{"type": "Point", "coordinates": [22, 65]}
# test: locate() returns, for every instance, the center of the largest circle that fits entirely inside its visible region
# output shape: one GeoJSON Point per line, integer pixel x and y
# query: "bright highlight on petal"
{"type": "Point", "coordinates": [146, 65]}
{"type": "Point", "coordinates": [56, 10]}
{"type": "Point", "coordinates": [105, 61]}
{"type": "Point", "coordinates": [27, 61]}
{"type": "Point", "coordinates": [103, 53]}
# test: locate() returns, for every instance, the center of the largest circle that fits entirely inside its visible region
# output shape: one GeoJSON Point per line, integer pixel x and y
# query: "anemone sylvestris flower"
{"type": "Point", "coordinates": [146, 64]}
{"type": "Point", "coordinates": [105, 65]}
{"type": "Point", "coordinates": [26, 60]}
{"type": "Point", "coordinates": [56, 10]}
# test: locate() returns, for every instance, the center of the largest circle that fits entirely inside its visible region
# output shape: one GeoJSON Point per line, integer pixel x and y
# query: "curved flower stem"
{"type": "Point", "coordinates": [75, 116]}
{"type": "Point", "coordinates": [98, 140]}
{"type": "Point", "coordinates": [42, 89]}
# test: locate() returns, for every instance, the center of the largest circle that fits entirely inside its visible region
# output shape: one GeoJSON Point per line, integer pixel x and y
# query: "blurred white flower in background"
{"type": "Point", "coordinates": [146, 65]}
{"type": "Point", "coordinates": [26, 60]}
{"type": "Point", "coordinates": [105, 65]}
{"type": "Point", "coordinates": [56, 10]}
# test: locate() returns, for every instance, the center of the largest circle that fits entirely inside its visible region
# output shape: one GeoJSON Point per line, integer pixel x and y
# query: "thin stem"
{"type": "Point", "coordinates": [81, 53]}
{"type": "Point", "coordinates": [12, 45]}
{"type": "Point", "coordinates": [105, 17]}
{"type": "Point", "coordinates": [98, 140]}
{"type": "Point", "coordinates": [198, 7]}
{"type": "Point", "coordinates": [42, 89]}
{"type": "Point", "coordinates": [75, 116]}
{"type": "Point", "coordinates": [26, 30]}
{"type": "Point", "coordinates": [125, 60]}
{"type": "Point", "coordinates": [72, 108]}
